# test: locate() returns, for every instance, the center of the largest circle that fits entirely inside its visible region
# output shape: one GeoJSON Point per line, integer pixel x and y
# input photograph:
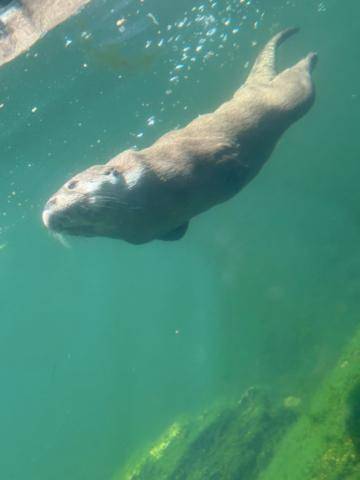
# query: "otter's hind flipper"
{"type": "Point", "coordinates": [264, 70]}
{"type": "Point", "coordinates": [175, 234]}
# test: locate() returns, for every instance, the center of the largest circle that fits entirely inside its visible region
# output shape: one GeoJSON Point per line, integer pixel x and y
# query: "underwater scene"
{"type": "Point", "coordinates": [226, 347]}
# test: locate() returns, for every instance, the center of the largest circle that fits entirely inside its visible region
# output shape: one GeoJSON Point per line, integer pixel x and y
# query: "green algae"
{"type": "Point", "coordinates": [255, 440]}
{"type": "Point", "coordinates": [226, 443]}
{"type": "Point", "coordinates": [325, 442]}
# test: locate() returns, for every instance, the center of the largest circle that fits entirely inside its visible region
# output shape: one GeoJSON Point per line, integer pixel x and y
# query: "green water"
{"type": "Point", "coordinates": [103, 344]}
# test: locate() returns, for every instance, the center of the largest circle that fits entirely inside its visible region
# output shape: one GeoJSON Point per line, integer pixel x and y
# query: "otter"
{"type": "Point", "coordinates": [140, 196]}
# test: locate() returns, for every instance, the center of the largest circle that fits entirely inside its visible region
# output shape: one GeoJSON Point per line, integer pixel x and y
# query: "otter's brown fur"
{"type": "Point", "coordinates": [153, 193]}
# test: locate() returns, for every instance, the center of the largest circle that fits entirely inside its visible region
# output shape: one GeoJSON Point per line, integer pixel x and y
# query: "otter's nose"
{"type": "Point", "coordinates": [53, 220]}
{"type": "Point", "coordinates": [50, 203]}
{"type": "Point", "coordinates": [47, 212]}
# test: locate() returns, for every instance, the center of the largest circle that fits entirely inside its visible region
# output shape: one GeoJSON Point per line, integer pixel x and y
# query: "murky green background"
{"type": "Point", "coordinates": [102, 344]}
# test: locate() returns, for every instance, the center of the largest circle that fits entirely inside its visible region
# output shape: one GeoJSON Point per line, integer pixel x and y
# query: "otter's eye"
{"type": "Point", "coordinates": [71, 185]}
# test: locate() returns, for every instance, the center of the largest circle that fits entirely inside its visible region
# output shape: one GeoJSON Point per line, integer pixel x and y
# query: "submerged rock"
{"type": "Point", "coordinates": [255, 440]}
{"type": "Point", "coordinates": [229, 443]}
{"type": "Point", "coordinates": [324, 444]}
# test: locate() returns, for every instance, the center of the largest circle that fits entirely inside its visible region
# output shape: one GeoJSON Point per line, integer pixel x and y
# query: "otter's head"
{"type": "Point", "coordinates": [97, 202]}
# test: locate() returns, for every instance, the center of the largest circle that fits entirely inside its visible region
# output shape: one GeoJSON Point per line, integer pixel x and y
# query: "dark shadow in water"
{"type": "Point", "coordinates": [118, 48]}
{"type": "Point", "coordinates": [111, 56]}
{"type": "Point", "coordinates": [4, 3]}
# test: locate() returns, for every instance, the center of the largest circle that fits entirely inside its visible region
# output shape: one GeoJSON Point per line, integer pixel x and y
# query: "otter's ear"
{"type": "Point", "coordinates": [175, 234]}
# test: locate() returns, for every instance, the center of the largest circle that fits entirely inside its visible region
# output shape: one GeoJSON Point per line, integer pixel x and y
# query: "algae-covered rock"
{"type": "Point", "coordinates": [229, 443]}
{"type": "Point", "coordinates": [325, 442]}
{"type": "Point", "coordinates": [254, 440]}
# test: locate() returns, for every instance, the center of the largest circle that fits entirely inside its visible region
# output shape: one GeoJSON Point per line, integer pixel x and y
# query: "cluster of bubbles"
{"type": "Point", "coordinates": [212, 26]}
{"type": "Point", "coordinates": [199, 36]}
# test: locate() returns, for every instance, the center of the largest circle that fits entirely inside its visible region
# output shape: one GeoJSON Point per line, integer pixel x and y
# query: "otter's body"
{"type": "Point", "coordinates": [153, 193]}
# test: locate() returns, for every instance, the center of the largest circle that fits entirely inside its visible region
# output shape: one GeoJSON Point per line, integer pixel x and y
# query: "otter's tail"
{"type": "Point", "coordinates": [263, 70]}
